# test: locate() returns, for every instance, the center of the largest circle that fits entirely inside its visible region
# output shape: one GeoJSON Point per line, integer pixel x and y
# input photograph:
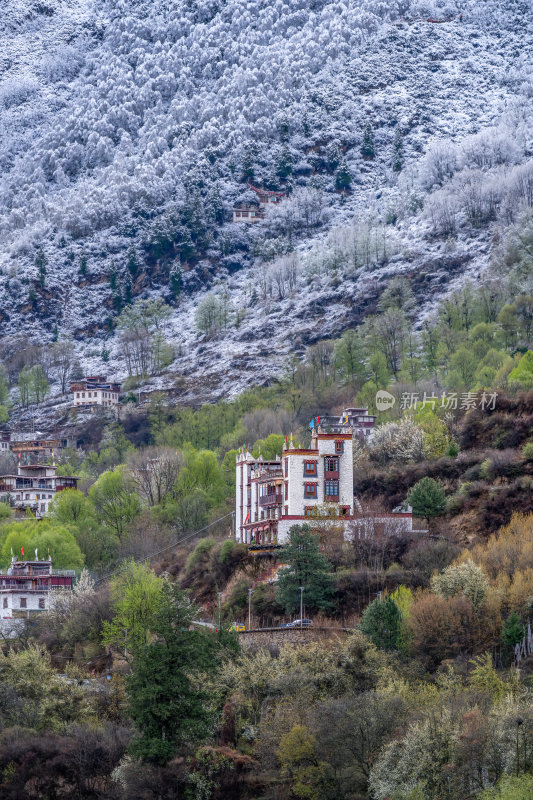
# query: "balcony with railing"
{"type": "Point", "coordinates": [265, 475]}
{"type": "Point", "coordinates": [271, 499]}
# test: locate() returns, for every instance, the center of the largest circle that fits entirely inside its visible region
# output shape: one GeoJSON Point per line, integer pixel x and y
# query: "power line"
{"type": "Point", "coordinates": [168, 547]}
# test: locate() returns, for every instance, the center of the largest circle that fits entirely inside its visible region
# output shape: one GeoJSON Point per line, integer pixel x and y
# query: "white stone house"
{"type": "Point", "coordinates": [94, 391]}
{"type": "Point", "coordinates": [33, 487]}
{"type": "Point", "coordinates": [26, 587]}
{"type": "Point", "coordinates": [272, 496]}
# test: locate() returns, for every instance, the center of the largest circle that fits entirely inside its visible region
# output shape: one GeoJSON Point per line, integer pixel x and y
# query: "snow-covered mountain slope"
{"type": "Point", "coordinates": [129, 129]}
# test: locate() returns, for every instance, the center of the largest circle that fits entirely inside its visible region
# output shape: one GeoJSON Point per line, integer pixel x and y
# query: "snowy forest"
{"type": "Point", "coordinates": [156, 649]}
{"type": "Point", "coordinates": [400, 133]}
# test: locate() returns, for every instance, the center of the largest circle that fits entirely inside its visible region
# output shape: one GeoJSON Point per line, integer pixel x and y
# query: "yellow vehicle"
{"type": "Point", "coordinates": [237, 626]}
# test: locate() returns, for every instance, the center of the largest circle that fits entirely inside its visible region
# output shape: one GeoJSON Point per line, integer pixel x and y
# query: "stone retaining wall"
{"type": "Point", "coordinates": [266, 637]}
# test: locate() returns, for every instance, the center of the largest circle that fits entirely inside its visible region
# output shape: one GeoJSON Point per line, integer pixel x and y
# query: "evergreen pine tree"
{"type": "Point", "coordinates": [167, 707]}
{"type": "Point", "coordinates": [368, 148]}
{"type": "Point", "coordinates": [427, 498]}
{"type": "Point", "coordinates": [343, 178]}
{"type": "Point", "coordinates": [40, 262]}
{"type": "Point", "coordinates": [248, 160]}
{"type": "Point", "coordinates": [307, 567]}
{"type": "Point", "coordinates": [175, 280]}
{"type": "Point", "coordinates": [382, 622]}
{"type": "Point", "coordinates": [133, 262]}
{"type": "Point", "coordinates": [513, 630]}
{"type": "Point", "coordinates": [397, 158]}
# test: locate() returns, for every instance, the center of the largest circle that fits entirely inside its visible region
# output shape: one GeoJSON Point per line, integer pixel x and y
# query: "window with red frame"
{"type": "Point", "coordinates": [339, 447]}
{"type": "Point", "coordinates": [332, 464]}
{"type": "Point", "coordinates": [310, 490]}
{"type": "Point", "coordinates": [310, 468]}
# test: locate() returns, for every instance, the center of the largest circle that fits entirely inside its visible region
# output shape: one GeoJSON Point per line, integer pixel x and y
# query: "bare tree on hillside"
{"type": "Point", "coordinates": [154, 472]}
{"type": "Point", "coordinates": [62, 359]}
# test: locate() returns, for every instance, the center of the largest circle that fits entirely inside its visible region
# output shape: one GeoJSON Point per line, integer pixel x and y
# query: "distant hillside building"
{"type": "Point", "coordinates": [247, 212]}
{"type": "Point", "coordinates": [267, 197]}
{"type": "Point", "coordinates": [29, 446]}
{"type": "Point", "coordinates": [272, 496]}
{"type": "Point", "coordinates": [361, 422]}
{"type": "Point", "coordinates": [25, 588]}
{"type": "Point", "coordinates": [33, 487]}
{"type": "Point", "coordinates": [255, 211]}
{"type": "Point", "coordinates": [94, 391]}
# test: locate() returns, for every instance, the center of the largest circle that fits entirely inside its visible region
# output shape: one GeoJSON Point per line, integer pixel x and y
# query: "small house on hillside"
{"type": "Point", "coordinates": [267, 197]}
{"type": "Point", "coordinates": [93, 391]}
{"type": "Point", "coordinates": [247, 212]}
{"type": "Point", "coordinates": [251, 208]}
{"type": "Point", "coordinates": [33, 487]}
{"type": "Point", "coordinates": [26, 588]}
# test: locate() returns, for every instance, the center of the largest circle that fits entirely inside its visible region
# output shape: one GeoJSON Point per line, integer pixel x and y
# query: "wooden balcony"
{"type": "Point", "coordinates": [271, 500]}
{"type": "Point", "coordinates": [332, 474]}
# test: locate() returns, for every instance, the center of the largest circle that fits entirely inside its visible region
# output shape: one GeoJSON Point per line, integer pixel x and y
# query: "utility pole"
{"type": "Point", "coordinates": [250, 593]}
{"type": "Point", "coordinates": [301, 605]}
{"type": "Point", "coordinates": [219, 600]}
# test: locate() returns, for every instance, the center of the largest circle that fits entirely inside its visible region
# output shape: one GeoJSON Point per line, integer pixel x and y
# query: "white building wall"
{"type": "Point", "coordinates": [13, 599]}
{"type": "Point", "coordinates": [95, 397]}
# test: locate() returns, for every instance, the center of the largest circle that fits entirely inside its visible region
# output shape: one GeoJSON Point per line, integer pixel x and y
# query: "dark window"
{"type": "Point", "coordinates": [339, 447]}
{"type": "Point", "coordinates": [23, 602]}
{"type": "Point", "coordinates": [286, 467]}
{"type": "Point", "coordinates": [332, 464]}
{"type": "Point", "coordinates": [5, 602]}
{"type": "Point", "coordinates": [310, 468]}
{"type": "Point", "coordinates": [41, 602]}
{"type": "Point", "coordinates": [286, 491]}
{"type": "Point", "coordinates": [310, 490]}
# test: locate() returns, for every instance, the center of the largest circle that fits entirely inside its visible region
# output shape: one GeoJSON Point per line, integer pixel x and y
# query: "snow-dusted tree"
{"type": "Point", "coordinates": [400, 442]}
{"type": "Point", "coordinates": [467, 578]}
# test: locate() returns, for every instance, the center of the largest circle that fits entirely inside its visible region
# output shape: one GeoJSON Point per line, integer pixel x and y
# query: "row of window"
{"type": "Point", "coordinates": [95, 394]}
{"type": "Point", "coordinates": [331, 464]}
{"type": "Point", "coordinates": [23, 603]}
{"type": "Point", "coordinates": [331, 489]}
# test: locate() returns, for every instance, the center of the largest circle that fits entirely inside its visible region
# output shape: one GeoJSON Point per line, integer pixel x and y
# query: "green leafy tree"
{"type": "Point", "coordinates": [382, 623]}
{"type": "Point", "coordinates": [4, 386]}
{"type": "Point", "coordinates": [270, 447]}
{"type": "Point", "coordinates": [115, 504]}
{"type": "Point", "coordinates": [24, 386]}
{"type": "Point", "coordinates": [516, 787]}
{"type": "Point", "coordinates": [427, 498]}
{"type": "Point", "coordinates": [98, 543]}
{"type": "Point", "coordinates": [48, 537]}
{"type": "Point", "coordinates": [513, 630]}
{"type": "Point", "coordinates": [307, 567]}
{"type": "Point", "coordinates": [69, 507]}
{"type": "Point", "coordinates": [348, 355]}
{"type": "Point", "coordinates": [39, 386]}
{"type": "Point", "coordinates": [521, 377]}
{"type": "Point", "coordinates": [309, 778]}
{"type": "Point", "coordinates": [136, 594]}
{"type": "Point", "coordinates": [168, 707]}
{"type": "Point", "coordinates": [201, 473]}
